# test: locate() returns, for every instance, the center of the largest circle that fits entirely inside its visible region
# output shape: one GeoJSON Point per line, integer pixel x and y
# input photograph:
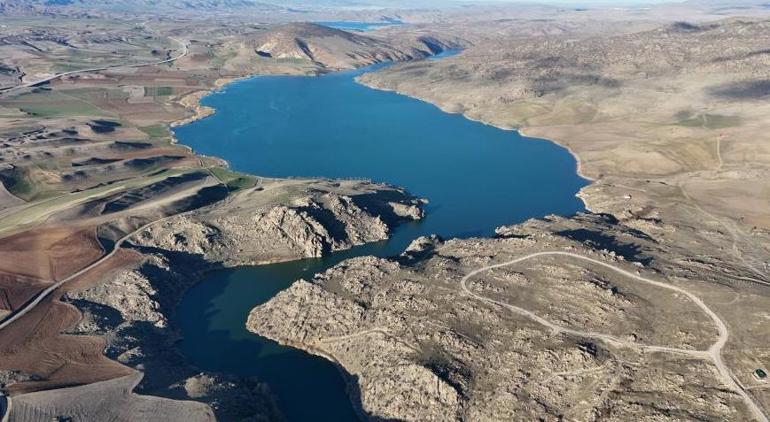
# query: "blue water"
{"type": "Point", "coordinates": [476, 178]}
{"type": "Point", "coordinates": [358, 26]}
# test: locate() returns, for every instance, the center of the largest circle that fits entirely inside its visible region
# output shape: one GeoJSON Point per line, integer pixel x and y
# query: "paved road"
{"type": "Point", "coordinates": [43, 294]}
{"type": "Point", "coordinates": [714, 353]}
{"type": "Point", "coordinates": [5, 402]}
{"type": "Point", "coordinates": [27, 307]}
{"type": "Point", "coordinates": [183, 53]}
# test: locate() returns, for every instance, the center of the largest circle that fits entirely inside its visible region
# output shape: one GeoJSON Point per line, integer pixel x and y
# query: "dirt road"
{"type": "Point", "coordinates": [714, 353]}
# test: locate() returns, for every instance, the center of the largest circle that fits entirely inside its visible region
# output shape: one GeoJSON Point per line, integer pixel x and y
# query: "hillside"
{"type": "Point", "coordinates": [337, 49]}
{"type": "Point", "coordinates": [58, 6]}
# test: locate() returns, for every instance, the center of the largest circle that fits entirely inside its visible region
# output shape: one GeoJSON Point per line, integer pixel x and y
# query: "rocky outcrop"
{"type": "Point", "coordinates": [313, 228]}
{"type": "Point", "coordinates": [192, 102]}
{"type": "Point", "coordinates": [391, 384]}
{"type": "Point", "coordinates": [131, 309]}
{"type": "Point", "coordinates": [305, 225]}
{"type": "Point", "coordinates": [274, 221]}
{"type": "Point", "coordinates": [129, 292]}
{"type": "Point", "coordinates": [10, 76]}
{"type": "Point", "coordinates": [420, 347]}
{"type": "Point", "coordinates": [409, 211]}
{"type": "Point", "coordinates": [13, 377]}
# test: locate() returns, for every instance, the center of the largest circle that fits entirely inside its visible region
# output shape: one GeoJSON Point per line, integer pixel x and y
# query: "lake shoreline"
{"type": "Point", "coordinates": [579, 163]}
{"type": "Point", "coordinates": [200, 112]}
{"type": "Point", "coordinates": [349, 381]}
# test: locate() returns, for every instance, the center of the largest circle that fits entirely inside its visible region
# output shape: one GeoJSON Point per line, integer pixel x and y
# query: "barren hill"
{"type": "Point", "coordinates": [339, 49]}
{"type": "Point", "coordinates": [36, 6]}
{"type": "Point", "coordinates": [682, 103]}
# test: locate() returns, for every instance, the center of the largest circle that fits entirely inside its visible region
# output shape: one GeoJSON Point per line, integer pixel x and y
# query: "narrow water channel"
{"type": "Point", "coordinates": [475, 176]}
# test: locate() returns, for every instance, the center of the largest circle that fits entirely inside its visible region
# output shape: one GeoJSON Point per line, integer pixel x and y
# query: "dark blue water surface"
{"type": "Point", "coordinates": [358, 26]}
{"type": "Point", "coordinates": [475, 176]}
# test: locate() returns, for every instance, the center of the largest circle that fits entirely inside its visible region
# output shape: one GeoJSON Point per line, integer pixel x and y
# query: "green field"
{"type": "Point", "coordinates": [21, 182]}
{"type": "Point", "coordinates": [54, 104]}
{"type": "Point", "coordinates": [708, 121]}
{"type": "Point", "coordinates": [234, 181]}
{"type": "Point", "coordinates": [155, 131]}
{"type": "Point", "coordinates": [158, 91]}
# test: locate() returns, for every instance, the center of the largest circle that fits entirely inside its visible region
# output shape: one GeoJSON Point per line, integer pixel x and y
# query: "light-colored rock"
{"type": "Point", "coordinates": [302, 224]}
{"type": "Point", "coordinates": [131, 293]}
{"type": "Point", "coordinates": [420, 349]}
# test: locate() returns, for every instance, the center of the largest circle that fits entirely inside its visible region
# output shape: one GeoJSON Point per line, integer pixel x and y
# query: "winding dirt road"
{"type": "Point", "coordinates": [714, 352]}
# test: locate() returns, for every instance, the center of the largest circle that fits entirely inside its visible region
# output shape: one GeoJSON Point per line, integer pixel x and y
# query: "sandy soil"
{"type": "Point", "coordinates": [49, 253]}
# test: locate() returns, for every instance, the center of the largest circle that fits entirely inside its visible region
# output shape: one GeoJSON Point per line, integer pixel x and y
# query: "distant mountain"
{"type": "Point", "coordinates": [10, 7]}
{"type": "Point", "coordinates": [133, 6]}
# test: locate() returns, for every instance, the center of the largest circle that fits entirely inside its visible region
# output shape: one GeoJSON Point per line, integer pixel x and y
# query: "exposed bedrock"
{"type": "Point", "coordinates": [275, 221]}
{"type": "Point", "coordinates": [307, 223]}
{"type": "Point", "coordinates": [131, 309]}
{"type": "Point", "coordinates": [418, 346]}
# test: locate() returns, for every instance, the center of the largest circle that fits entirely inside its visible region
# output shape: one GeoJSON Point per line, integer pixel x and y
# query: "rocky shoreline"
{"type": "Point", "coordinates": [185, 235]}
{"type": "Point", "coordinates": [210, 238]}
{"type": "Point", "coordinates": [192, 102]}
{"type": "Point", "coordinates": [133, 307]}
{"type": "Point", "coordinates": [420, 349]}
{"type": "Point", "coordinates": [126, 305]}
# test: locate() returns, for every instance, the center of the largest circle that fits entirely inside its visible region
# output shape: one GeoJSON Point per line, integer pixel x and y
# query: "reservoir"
{"type": "Point", "coordinates": [475, 176]}
{"type": "Point", "coordinates": [358, 26]}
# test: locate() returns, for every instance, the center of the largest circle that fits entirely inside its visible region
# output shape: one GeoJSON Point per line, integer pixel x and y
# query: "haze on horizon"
{"type": "Point", "coordinates": [437, 3]}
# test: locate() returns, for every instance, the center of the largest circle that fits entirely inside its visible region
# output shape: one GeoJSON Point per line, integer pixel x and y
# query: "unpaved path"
{"type": "Point", "coordinates": [714, 352]}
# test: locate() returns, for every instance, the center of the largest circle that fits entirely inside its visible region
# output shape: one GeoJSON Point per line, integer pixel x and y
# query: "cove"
{"type": "Point", "coordinates": [475, 176]}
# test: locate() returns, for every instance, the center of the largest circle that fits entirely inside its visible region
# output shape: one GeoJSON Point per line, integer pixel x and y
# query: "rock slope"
{"type": "Point", "coordinates": [276, 220]}
{"type": "Point", "coordinates": [131, 308]}
{"type": "Point", "coordinates": [419, 348]}
{"type": "Point", "coordinates": [308, 220]}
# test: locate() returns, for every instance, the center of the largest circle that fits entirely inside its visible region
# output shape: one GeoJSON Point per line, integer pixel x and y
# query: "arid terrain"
{"type": "Point", "coordinates": [93, 181]}
{"type": "Point", "coordinates": [651, 306]}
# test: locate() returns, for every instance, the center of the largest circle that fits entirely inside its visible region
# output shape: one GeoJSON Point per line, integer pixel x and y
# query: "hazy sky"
{"type": "Point", "coordinates": [576, 2]}
{"type": "Point", "coordinates": [440, 3]}
{"type": "Point", "coordinates": [604, 3]}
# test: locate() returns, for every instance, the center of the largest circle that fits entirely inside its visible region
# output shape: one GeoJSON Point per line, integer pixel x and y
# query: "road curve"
{"type": "Point", "coordinates": [714, 353]}
{"type": "Point", "coordinates": [115, 248]}
{"type": "Point", "coordinates": [43, 294]}
{"type": "Point", "coordinates": [5, 407]}
{"type": "Point", "coordinates": [183, 53]}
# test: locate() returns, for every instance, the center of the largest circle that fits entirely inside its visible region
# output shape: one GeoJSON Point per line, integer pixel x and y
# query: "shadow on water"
{"type": "Point", "coordinates": [475, 176]}
{"type": "Point", "coordinates": [212, 319]}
